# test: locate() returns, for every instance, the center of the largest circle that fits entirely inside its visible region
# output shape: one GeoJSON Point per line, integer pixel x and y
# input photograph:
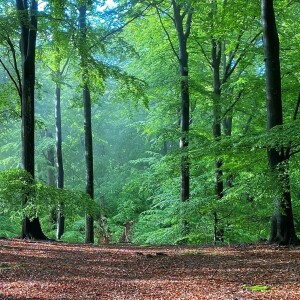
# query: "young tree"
{"type": "Point", "coordinates": [282, 226]}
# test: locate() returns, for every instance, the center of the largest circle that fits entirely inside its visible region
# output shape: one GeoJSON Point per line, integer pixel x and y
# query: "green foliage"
{"type": "Point", "coordinates": [9, 228]}
{"type": "Point", "coordinates": [40, 198]}
{"type": "Point", "coordinates": [256, 288]}
{"type": "Point", "coordinates": [128, 61]}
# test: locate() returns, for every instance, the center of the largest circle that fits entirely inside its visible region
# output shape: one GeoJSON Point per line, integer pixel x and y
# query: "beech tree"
{"type": "Point", "coordinates": [282, 226]}
{"type": "Point", "coordinates": [58, 71]}
{"type": "Point", "coordinates": [182, 19]}
{"type": "Point", "coordinates": [88, 139]}
{"type": "Point", "coordinates": [228, 47]}
{"type": "Point", "coordinates": [27, 13]}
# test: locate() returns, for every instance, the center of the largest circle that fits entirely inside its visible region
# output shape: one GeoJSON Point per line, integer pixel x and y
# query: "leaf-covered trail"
{"type": "Point", "coordinates": [31, 270]}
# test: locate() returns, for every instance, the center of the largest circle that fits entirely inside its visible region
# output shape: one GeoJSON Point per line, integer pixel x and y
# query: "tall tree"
{"type": "Point", "coordinates": [27, 13]}
{"type": "Point", "coordinates": [182, 19]}
{"type": "Point", "coordinates": [59, 154]}
{"type": "Point", "coordinates": [229, 47]}
{"type": "Point", "coordinates": [62, 28]}
{"type": "Point", "coordinates": [282, 226]}
{"type": "Point", "coordinates": [88, 138]}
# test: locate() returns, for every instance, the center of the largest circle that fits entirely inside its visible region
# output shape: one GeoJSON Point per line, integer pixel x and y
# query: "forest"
{"type": "Point", "coordinates": [152, 122]}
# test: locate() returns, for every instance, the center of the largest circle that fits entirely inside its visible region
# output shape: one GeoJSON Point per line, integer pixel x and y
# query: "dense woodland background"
{"type": "Point", "coordinates": [182, 141]}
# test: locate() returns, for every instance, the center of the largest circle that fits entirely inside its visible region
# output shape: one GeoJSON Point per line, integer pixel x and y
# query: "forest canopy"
{"type": "Point", "coordinates": [151, 122]}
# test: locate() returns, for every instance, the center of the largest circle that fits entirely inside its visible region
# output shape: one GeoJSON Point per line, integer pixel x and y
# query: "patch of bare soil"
{"type": "Point", "coordinates": [40, 270]}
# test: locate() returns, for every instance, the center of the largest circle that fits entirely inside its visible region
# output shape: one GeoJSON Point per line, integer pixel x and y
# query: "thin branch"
{"type": "Point", "coordinates": [167, 34]}
{"type": "Point", "coordinates": [294, 152]}
{"type": "Point", "coordinates": [230, 71]}
{"type": "Point", "coordinates": [247, 126]}
{"type": "Point", "coordinates": [15, 65]}
{"type": "Point", "coordinates": [119, 28]}
{"type": "Point", "coordinates": [233, 104]}
{"type": "Point", "coordinates": [188, 24]}
{"type": "Point", "coordinates": [165, 12]}
{"type": "Point", "coordinates": [11, 77]}
{"type": "Point", "coordinates": [50, 68]}
{"type": "Point", "coordinates": [65, 66]}
{"type": "Point", "coordinates": [232, 56]}
{"type": "Point", "coordinates": [204, 53]}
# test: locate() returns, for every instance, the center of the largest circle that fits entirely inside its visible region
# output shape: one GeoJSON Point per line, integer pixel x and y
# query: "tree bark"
{"type": "Point", "coordinates": [282, 224]}
{"type": "Point", "coordinates": [88, 138]}
{"type": "Point", "coordinates": [89, 232]}
{"type": "Point", "coordinates": [183, 35]}
{"type": "Point", "coordinates": [50, 154]}
{"type": "Point", "coordinates": [185, 100]}
{"type": "Point", "coordinates": [59, 156]}
{"type": "Point", "coordinates": [217, 131]}
{"type": "Point", "coordinates": [51, 161]}
{"type": "Point", "coordinates": [28, 24]}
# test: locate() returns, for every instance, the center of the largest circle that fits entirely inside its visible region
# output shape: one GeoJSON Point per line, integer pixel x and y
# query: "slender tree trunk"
{"type": "Point", "coordinates": [183, 35]}
{"type": "Point", "coordinates": [282, 225]}
{"type": "Point", "coordinates": [60, 168]}
{"type": "Point", "coordinates": [217, 132]}
{"type": "Point", "coordinates": [51, 162]}
{"type": "Point", "coordinates": [89, 229]}
{"type": "Point", "coordinates": [28, 24]}
{"type": "Point", "coordinates": [51, 175]}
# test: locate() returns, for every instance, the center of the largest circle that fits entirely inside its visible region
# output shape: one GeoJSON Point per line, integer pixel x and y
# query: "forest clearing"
{"type": "Point", "coordinates": [51, 270]}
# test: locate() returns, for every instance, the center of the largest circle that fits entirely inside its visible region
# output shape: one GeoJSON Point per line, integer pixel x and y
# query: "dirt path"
{"type": "Point", "coordinates": [30, 270]}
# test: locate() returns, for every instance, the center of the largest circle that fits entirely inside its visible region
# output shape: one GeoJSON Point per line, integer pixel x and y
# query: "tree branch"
{"type": "Point", "coordinates": [65, 66]}
{"type": "Point", "coordinates": [11, 78]}
{"type": "Point", "coordinates": [167, 34]}
{"type": "Point", "coordinates": [203, 52]}
{"type": "Point", "coordinates": [233, 104]}
{"type": "Point", "coordinates": [119, 28]}
{"type": "Point", "coordinates": [188, 24]}
{"type": "Point", "coordinates": [232, 68]}
{"type": "Point", "coordinates": [15, 66]}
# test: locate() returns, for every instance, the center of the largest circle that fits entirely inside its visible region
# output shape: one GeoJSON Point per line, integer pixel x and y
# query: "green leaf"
{"type": "Point", "coordinates": [256, 288]}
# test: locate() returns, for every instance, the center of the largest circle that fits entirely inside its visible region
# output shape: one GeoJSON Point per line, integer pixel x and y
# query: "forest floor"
{"type": "Point", "coordinates": [42, 270]}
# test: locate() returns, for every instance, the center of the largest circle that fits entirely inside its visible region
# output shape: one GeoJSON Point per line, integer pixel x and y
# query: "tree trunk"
{"type": "Point", "coordinates": [28, 24]}
{"type": "Point", "coordinates": [59, 156]}
{"type": "Point", "coordinates": [89, 232]}
{"type": "Point", "coordinates": [88, 138]}
{"type": "Point", "coordinates": [282, 224]}
{"type": "Point", "coordinates": [51, 161]}
{"type": "Point", "coordinates": [217, 132]}
{"type": "Point", "coordinates": [185, 96]}
{"type": "Point", "coordinates": [60, 167]}
{"type": "Point", "coordinates": [51, 175]}
{"type": "Point", "coordinates": [183, 35]}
